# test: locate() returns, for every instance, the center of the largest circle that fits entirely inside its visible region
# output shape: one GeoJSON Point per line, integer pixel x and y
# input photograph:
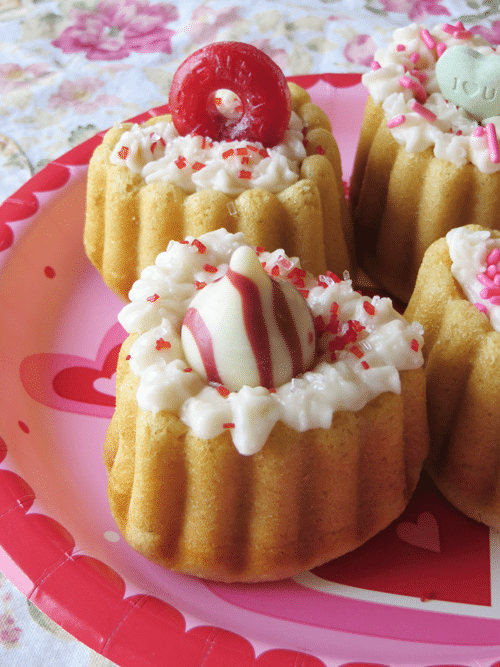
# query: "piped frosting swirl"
{"type": "Point", "coordinates": [403, 80]}
{"type": "Point", "coordinates": [362, 344]}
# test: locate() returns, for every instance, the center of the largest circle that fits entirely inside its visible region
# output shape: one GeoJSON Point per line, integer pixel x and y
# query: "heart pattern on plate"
{"type": "Point", "coordinates": [424, 533]}
{"type": "Point", "coordinates": [72, 383]}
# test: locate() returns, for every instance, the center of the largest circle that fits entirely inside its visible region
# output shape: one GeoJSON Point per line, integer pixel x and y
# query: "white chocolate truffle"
{"type": "Point", "coordinates": [248, 329]}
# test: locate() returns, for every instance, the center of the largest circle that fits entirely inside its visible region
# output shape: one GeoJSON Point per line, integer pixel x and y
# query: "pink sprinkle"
{"type": "Point", "coordinates": [427, 39]}
{"type": "Point", "coordinates": [494, 256]}
{"type": "Point", "coordinates": [491, 137]}
{"type": "Point", "coordinates": [421, 76]}
{"type": "Point", "coordinates": [478, 132]}
{"type": "Point", "coordinates": [481, 307]}
{"type": "Point", "coordinates": [400, 47]}
{"type": "Point", "coordinates": [484, 280]}
{"type": "Point", "coordinates": [491, 271]}
{"type": "Point", "coordinates": [375, 65]}
{"type": "Point", "coordinates": [397, 120]}
{"type": "Point", "coordinates": [415, 57]}
{"type": "Point", "coordinates": [440, 49]}
{"type": "Point", "coordinates": [496, 279]}
{"type": "Point", "coordinates": [450, 29]}
{"type": "Point", "coordinates": [462, 34]}
{"type": "Point", "coordinates": [422, 111]}
{"type": "Point", "coordinates": [416, 87]}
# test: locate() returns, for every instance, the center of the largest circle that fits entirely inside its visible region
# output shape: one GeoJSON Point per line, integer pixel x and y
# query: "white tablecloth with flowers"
{"type": "Point", "coordinates": [71, 68]}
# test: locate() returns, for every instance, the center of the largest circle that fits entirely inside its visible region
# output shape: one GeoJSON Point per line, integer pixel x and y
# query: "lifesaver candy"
{"type": "Point", "coordinates": [242, 68]}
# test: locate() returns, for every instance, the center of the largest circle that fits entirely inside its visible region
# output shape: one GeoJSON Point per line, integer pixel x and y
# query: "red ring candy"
{"type": "Point", "coordinates": [242, 68]}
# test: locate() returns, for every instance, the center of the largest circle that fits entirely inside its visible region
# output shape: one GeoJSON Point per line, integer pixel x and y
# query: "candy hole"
{"type": "Point", "coordinates": [228, 104]}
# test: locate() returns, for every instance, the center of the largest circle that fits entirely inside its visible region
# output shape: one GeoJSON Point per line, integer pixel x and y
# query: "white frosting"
{"type": "Point", "coordinates": [158, 153]}
{"type": "Point", "coordinates": [376, 343]}
{"type": "Point", "coordinates": [451, 134]}
{"type": "Point", "coordinates": [468, 252]}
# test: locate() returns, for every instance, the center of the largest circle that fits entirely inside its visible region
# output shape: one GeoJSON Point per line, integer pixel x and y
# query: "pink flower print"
{"type": "Point", "coordinates": [10, 633]}
{"type": "Point", "coordinates": [360, 50]}
{"type": "Point", "coordinates": [416, 10]}
{"type": "Point", "coordinates": [492, 35]}
{"type": "Point", "coordinates": [115, 29]}
{"type": "Point", "coordinates": [206, 22]}
{"type": "Point", "coordinates": [13, 75]}
{"type": "Point", "coordinates": [280, 56]}
{"type": "Point", "coordinates": [78, 95]}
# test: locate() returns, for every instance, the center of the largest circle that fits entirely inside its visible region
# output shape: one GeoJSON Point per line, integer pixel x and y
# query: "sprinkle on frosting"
{"type": "Point", "coordinates": [475, 259]}
{"type": "Point", "coordinates": [361, 345]}
{"type": "Point", "coordinates": [398, 79]}
{"type": "Point", "coordinates": [158, 153]}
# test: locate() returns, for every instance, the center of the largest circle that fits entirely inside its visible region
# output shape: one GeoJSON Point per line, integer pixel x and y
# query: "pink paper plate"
{"type": "Point", "coordinates": [424, 592]}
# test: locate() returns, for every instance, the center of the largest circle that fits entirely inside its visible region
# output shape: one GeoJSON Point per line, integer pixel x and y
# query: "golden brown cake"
{"type": "Point", "coordinates": [261, 482]}
{"type": "Point", "coordinates": [129, 222]}
{"type": "Point", "coordinates": [422, 166]}
{"type": "Point", "coordinates": [462, 353]}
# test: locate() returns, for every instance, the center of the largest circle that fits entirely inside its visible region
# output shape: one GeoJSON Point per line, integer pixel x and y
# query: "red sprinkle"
{"type": "Point", "coordinates": [123, 152]}
{"type": "Point", "coordinates": [180, 162]}
{"type": "Point", "coordinates": [275, 271]}
{"type": "Point", "coordinates": [333, 276]}
{"type": "Point", "coordinates": [200, 247]}
{"type": "Point", "coordinates": [365, 365]}
{"type": "Point", "coordinates": [199, 285]}
{"type": "Point", "coordinates": [197, 166]}
{"type": "Point", "coordinates": [228, 425]}
{"type": "Point", "coordinates": [356, 351]}
{"type": "Point", "coordinates": [245, 174]}
{"type": "Point", "coordinates": [163, 344]}
{"type": "Point", "coordinates": [369, 307]}
{"type": "Point", "coordinates": [210, 268]}
{"type": "Point", "coordinates": [227, 154]}
{"type": "Point", "coordinates": [223, 391]}
{"type": "Point", "coordinates": [49, 272]}
{"type": "Point", "coordinates": [263, 153]}
{"type": "Point", "coordinates": [320, 150]}
{"type": "Point", "coordinates": [188, 370]}
{"type": "Point", "coordinates": [153, 298]}
{"type": "Point", "coordinates": [259, 249]}
{"type": "Point", "coordinates": [128, 357]}
{"type": "Point", "coordinates": [414, 345]}
{"type": "Point", "coordinates": [242, 151]}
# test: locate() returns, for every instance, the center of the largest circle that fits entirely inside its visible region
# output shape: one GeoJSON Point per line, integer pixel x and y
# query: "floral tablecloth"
{"type": "Point", "coordinates": [71, 68]}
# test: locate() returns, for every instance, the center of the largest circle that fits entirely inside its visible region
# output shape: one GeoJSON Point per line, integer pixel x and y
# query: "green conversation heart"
{"type": "Point", "coordinates": [471, 80]}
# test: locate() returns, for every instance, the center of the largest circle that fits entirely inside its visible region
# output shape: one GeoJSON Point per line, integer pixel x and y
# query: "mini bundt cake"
{"type": "Point", "coordinates": [423, 164]}
{"type": "Point", "coordinates": [148, 184]}
{"type": "Point", "coordinates": [456, 299]}
{"type": "Point", "coordinates": [266, 421]}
